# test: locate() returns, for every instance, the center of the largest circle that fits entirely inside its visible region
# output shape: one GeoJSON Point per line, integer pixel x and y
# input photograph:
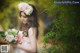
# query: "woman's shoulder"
{"type": "Point", "coordinates": [32, 32]}
{"type": "Point", "coordinates": [32, 29]}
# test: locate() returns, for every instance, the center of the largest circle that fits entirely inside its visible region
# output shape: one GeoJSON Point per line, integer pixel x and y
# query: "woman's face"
{"type": "Point", "coordinates": [24, 18]}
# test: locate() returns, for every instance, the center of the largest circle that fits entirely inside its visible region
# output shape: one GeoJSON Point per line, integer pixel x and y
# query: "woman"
{"type": "Point", "coordinates": [29, 26]}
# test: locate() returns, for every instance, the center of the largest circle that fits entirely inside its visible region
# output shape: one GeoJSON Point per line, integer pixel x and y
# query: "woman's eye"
{"type": "Point", "coordinates": [24, 16]}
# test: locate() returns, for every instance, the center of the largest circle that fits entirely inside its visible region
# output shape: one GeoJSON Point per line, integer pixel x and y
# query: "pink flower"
{"type": "Point", "coordinates": [20, 36]}
{"type": "Point", "coordinates": [25, 8]}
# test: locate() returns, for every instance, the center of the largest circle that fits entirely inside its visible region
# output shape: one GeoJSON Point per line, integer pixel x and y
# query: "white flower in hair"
{"type": "Point", "coordinates": [25, 8]}
{"type": "Point", "coordinates": [21, 6]}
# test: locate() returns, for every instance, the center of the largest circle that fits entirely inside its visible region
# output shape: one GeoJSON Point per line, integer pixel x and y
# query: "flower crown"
{"type": "Point", "coordinates": [26, 8]}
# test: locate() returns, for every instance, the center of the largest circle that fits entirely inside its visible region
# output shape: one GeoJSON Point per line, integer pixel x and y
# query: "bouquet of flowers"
{"type": "Point", "coordinates": [13, 36]}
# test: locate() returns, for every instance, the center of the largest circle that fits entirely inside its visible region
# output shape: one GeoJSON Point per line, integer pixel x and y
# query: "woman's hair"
{"type": "Point", "coordinates": [32, 20]}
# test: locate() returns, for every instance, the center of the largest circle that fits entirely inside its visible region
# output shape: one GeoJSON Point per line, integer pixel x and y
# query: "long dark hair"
{"type": "Point", "coordinates": [32, 20]}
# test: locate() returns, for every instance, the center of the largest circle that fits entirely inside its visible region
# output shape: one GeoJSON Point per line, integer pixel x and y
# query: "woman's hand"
{"type": "Point", "coordinates": [20, 36]}
{"type": "Point", "coordinates": [17, 46]}
{"type": "Point", "coordinates": [14, 46]}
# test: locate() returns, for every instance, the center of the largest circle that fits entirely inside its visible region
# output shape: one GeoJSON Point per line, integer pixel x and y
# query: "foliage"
{"type": "Point", "coordinates": [65, 29]}
{"type": "Point", "coordinates": [2, 35]}
{"type": "Point", "coordinates": [50, 50]}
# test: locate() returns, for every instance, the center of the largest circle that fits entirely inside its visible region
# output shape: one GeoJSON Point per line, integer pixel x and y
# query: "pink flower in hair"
{"type": "Point", "coordinates": [25, 8]}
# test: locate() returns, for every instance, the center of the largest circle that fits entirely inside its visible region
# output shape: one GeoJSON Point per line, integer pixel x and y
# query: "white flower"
{"type": "Point", "coordinates": [6, 33]}
{"type": "Point", "coordinates": [25, 8]}
{"type": "Point", "coordinates": [9, 38]}
{"type": "Point", "coordinates": [20, 33]}
{"type": "Point", "coordinates": [11, 34]}
{"type": "Point", "coordinates": [29, 10]}
{"type": "Point", "coordinates": [14, 30]}
{"type": "Point", "coordinates": [21, 6]}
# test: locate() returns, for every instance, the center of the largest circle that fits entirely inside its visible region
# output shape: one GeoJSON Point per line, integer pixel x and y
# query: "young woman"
{"type": "Point", "coordinates": [29, 26]}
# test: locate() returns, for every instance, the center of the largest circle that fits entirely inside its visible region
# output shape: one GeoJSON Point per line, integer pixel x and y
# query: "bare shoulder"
{"type": "Point", "coordinates": [32, 31]}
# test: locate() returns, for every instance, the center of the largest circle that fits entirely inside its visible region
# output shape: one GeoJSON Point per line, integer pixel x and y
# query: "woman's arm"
{"type": "Point", "coordinates": [33, 46]}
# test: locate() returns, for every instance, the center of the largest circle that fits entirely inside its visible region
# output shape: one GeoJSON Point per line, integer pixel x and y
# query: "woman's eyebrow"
{"type": "Point", "coordinates": [22, 15]}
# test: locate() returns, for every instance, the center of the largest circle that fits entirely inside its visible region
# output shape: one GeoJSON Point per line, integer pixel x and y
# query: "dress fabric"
{"type": "Point", "coordinates": [25, 42]}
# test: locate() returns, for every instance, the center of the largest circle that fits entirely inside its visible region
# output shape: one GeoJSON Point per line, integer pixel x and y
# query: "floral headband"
{"type": "Point", "coordinates": [25, 8]}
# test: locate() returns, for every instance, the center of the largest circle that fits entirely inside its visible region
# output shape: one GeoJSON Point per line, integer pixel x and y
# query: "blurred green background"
{"type": "Point", "coordinates": [59, 30]}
